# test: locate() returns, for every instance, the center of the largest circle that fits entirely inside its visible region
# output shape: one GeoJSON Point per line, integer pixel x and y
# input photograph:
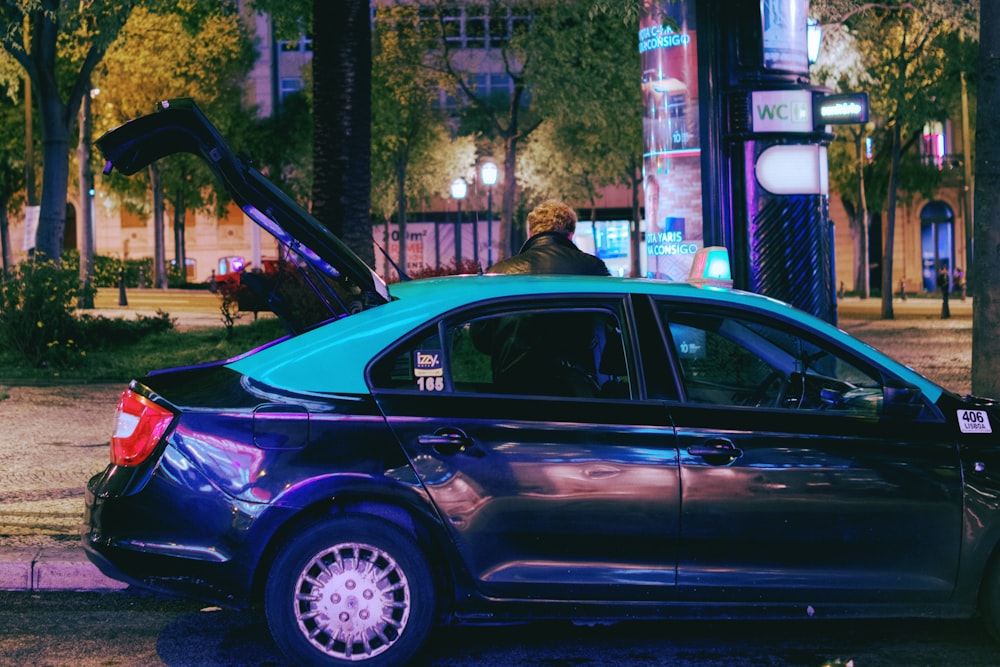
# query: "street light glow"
{"type": "Point", "coordinates": [489, 173]}
{"type": "Point", "coordinates": [458, 188]}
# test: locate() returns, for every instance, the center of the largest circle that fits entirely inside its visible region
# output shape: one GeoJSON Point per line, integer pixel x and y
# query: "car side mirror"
{"type": "Point", "coordinates": [901, 400]}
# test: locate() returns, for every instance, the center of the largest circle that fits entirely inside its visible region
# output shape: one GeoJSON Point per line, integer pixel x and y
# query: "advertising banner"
{"type": "Point", "coordinates": [785, 36]}
{"type": "Point", "coordinates": [672, 158]}
{"type": "Point", "coordinates": [30, 227]}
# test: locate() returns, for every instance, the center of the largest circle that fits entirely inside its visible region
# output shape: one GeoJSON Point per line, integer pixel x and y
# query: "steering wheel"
{"type": "Point", "coordinates": [756, 399]}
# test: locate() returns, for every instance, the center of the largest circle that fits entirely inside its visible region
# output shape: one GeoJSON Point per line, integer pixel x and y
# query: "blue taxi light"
{"type": "Point", "coordinates": [711, 267]}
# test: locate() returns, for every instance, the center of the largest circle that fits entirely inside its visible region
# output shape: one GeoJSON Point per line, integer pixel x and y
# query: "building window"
{"type": "Point", "coordinates": [479, 27]}
{"type": "Point", "coordinates": [290, 85]}
{"type": "Point", "coordinates": [935, 146]}
{"type": "Point", "coordinates": [303, 44]}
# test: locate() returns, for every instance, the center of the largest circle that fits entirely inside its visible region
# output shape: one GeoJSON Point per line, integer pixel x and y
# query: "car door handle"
{"type": "Point", "coordinates": [449, 442]}
{"type": "Point", "coordinates": [716, 449]}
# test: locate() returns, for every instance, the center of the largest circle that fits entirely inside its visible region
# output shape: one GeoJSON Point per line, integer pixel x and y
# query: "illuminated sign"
{"type": "Point", "coordinates": [782, 110]}
{"type": "Point", "coordinates": [841, 109]}
{"type": "Point", "coordinates": [793, 169]}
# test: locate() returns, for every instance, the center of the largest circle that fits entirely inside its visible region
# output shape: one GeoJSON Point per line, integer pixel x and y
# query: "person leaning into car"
{"type": "Point", "coordinates": [550, 247]}
{"type": "Point", "coordinates": [524, 350]}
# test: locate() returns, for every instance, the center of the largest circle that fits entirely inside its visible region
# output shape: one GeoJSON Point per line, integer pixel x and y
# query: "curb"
{"type": "Point", "coordinates": [33, 569]}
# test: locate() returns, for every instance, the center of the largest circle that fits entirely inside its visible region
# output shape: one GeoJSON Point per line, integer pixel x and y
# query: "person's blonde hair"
{"type": "Point", "coordinates": [552, 216]}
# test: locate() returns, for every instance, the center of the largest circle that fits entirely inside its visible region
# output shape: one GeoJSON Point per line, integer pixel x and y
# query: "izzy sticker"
{"type": "Point", "coordinates": [974, 421]}
{"type": "Point", "coordinates": [427, 364]}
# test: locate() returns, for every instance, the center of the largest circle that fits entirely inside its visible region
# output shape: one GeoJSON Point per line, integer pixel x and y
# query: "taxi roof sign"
{"type": "Point", "coordinates": [711, 267]}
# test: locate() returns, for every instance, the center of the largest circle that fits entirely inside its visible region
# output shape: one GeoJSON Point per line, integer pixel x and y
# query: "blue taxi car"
{"type": "Point", "coordinates": [484, 449]}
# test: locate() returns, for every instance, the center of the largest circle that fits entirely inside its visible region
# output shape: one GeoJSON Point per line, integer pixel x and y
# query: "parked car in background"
{"type": "Point", "coordinates": [488, 449]}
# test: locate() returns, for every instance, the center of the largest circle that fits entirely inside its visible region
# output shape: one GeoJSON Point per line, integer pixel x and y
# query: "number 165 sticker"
{"type": "Point", "coordinates": [974, 421]}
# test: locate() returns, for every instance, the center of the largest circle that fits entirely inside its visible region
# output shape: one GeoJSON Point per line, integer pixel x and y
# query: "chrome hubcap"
{"type": "Point", "coordinates": [352, 601]}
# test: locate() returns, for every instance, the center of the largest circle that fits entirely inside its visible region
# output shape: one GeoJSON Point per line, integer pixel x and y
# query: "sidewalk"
{"type": "Point", "coordinates": [55, 438]}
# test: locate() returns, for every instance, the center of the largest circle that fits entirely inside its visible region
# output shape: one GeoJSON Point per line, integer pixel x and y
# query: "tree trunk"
{"type": "Point", "coordinates": [889, 229]}
{"type": "Point", "coordinates": [401, 207]}
{"type": "Point", "coordinates": [55, 183]}
{"type": "Point", "coordinates": [985, 304]}
{"type": "Point", "coordinates": [506, 235]}
{"type": "Point", "coordinates": [636, 232]}
{"type": "Point", "coordinates": [180, 248]}
{"type": "Point", "coordinates": [8, 252]}
{"type": "Point", "coordinates": [862, 280]}
{"type": "Point", "coordinates": [342, 65]}
{"type": "Point", "coordinates": [159, 231]}
{"type": "Point", "coordinates": [85, 214]}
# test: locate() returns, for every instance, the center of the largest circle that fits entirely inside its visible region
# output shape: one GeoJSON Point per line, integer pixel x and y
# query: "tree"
{"type": "Point", "coordinates": [506, 117]}
{"type": "Point", "coordinates": [11, 170]}
{"type": "Point", "coordinates": [341, 68]}
{"type": "Point", "coordinates": [66, 41]}
{"type": "Point", "coordinates": [197, 50]}
{"type": "Point", "coordinates": [405, 126]}
{"type": "Point", "coordinates": [902, 47]}
{"type": "Point", "coordinates": [986, 304]}
{"type": "Point", "coordinates": [581, 63]}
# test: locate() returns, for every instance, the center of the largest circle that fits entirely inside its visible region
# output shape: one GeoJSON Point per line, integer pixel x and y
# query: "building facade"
{"type": "Point", "coordinates": [929, 234]}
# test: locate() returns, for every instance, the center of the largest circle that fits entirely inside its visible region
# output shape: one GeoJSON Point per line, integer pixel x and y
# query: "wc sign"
{"type": "Point", "coordinates": [782, 110]}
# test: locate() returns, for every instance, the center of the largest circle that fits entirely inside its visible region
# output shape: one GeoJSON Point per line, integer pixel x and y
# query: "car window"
{"type": "Point", "coordinates": [566, 352]}
{"type": "Point", "coordinates": [734, 360]}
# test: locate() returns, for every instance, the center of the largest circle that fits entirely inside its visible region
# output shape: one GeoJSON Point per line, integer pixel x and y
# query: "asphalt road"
{"type": "Point", "coordinates": [128, 630]}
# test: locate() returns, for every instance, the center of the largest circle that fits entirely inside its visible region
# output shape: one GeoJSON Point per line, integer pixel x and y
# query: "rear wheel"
{"type": "Point", "coordinates": [350, 590]}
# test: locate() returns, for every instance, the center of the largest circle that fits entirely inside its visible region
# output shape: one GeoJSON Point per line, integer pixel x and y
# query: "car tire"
{"type": "Point", "coordinates": [350, 590]}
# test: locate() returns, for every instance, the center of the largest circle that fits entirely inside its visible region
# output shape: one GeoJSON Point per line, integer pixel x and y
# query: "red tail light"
{"type": "Point", "coordinates": [139, 425]}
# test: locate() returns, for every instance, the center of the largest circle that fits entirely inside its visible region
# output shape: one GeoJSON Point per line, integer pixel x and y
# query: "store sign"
{"type": "Point", "coordinates": [782, 110]}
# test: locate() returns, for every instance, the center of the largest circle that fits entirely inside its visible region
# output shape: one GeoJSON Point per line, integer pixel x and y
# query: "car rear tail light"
{"type": "Point", "coordinates": [139, 425]}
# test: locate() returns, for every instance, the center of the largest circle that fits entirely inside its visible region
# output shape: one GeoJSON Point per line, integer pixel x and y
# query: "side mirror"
{"type": "Point", "coordinates": [901, 400]}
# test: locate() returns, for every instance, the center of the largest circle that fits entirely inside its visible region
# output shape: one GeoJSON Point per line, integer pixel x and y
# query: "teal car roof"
{"type": "Point", "coordinates": [332, 358]}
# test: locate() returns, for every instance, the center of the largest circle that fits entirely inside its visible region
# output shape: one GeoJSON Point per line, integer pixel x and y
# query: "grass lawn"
{"type": "Point", "coordinates": [160, 350]}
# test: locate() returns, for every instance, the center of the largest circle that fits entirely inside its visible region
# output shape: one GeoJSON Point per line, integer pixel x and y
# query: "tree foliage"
{"type": "Point", "coordinates": [593, 120]}
{"type": "Point", "coordinates": [406, 127]}
{"type": "Point", "coordinates": [903, 50]}
{"type": "Point", "coordinates": [58, 44]}
{"type": "Point", "coordinates": [197, 49]}
{"type": "Point", "coordinates": [500, 121]}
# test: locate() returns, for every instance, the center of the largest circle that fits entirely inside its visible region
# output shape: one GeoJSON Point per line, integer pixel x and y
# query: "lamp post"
{"type": "Point", "coordinates": [458, 190]}
{"type": "Point", "coordinates": [86, 212]}
{"type": "Point", "coordinates": [489, 176]}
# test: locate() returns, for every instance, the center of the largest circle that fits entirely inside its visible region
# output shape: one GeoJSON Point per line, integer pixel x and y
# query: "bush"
{"type": "Point", "coordinates": [37, 300]}
{"type": "Point", "coordinates": [103, 333]}
{"type": "Point", "coordinates": [466, 267]}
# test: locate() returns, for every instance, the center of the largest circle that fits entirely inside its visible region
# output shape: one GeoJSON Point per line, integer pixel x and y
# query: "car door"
{"type": "Point", "coordinates": [526, 427]}
{"type": "Point", "coordinates": [798, 484]}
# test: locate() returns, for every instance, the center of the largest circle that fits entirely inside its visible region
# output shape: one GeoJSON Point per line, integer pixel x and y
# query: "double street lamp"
{"type": "Point", "coordinates": [488, 172]}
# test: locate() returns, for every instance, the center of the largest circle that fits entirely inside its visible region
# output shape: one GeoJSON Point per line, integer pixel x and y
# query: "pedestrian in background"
{"type": "Point", "coordinates": [550, 247]}
{"type": "Point", "coordinates": [943, 280]}
{"type": "Point", "coordinates": [958, 282]}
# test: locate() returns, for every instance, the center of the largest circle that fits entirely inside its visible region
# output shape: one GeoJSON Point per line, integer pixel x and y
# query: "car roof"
{"type": "Point", "coordinates": [306, 362]}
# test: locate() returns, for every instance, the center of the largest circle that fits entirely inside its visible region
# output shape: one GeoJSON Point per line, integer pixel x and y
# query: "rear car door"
{"type": "Point", "coordinates": [799, 482]}
{"type": "Point", "coordinates": [525, 424]}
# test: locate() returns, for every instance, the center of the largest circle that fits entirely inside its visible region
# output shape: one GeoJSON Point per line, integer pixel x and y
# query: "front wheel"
{"type": "Point", "coordinates": [350, 590]}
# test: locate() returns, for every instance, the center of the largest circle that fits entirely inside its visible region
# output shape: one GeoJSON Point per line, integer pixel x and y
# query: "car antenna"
{"type": "Point", "coordinates": [388, 258]}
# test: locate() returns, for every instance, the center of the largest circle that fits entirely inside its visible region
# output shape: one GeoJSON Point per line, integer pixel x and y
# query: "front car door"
{"type": "Point", "coordinates": [525, 424]}
{"type": "Point", "coordinates": [798, 485]}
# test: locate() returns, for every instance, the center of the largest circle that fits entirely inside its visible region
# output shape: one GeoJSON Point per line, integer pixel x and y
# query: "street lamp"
{"type": "Point", "coordinates": [814, 39]}
{"type": "Point", "coordinates": [489, 175]}
{"type": "Point", "coordinates": [458, 190]}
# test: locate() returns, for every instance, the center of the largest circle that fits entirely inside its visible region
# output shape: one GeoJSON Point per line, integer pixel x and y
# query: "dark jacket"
{"type": "Point", "coordinates": [551, 252]}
